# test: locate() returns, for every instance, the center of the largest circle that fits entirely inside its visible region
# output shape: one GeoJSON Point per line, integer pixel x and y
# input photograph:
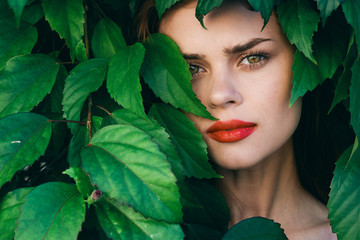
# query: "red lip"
{"type": "Point", "coordinates": [230, 131]}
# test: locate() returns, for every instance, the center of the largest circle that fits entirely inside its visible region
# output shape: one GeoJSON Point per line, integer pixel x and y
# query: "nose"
{"type": "Point", "coordinates": [223, 90]}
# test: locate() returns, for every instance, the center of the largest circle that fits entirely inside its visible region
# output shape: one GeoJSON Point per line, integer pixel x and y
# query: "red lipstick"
{"type": "Point", "coordinates": [230, 131]}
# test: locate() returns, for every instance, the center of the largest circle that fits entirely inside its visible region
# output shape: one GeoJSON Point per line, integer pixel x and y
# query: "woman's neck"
{"type": "Point", "coordinates": [270, 189]}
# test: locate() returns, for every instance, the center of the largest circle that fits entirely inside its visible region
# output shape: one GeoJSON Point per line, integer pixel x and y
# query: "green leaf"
{"type": "Point", "coordinates": [186, 139]}
{"type": "Point", "coordinates": [66, 18]}
{"type": "Point", "coordinates": [265, 7]}
{"type": "Point", "coordinates": [107, 39]}
{"type": "Point", "coordinates": [123, 81]}
{"type": "Point", "coordinates": [82, 181]}
{"type": "Point", "coordinates": [344, 207]}
{"type": "Point", "coordinates": [18, 7]}
{"type": "Point", "coordinates": [299, 20]}
{"type": "Point", "coordinates": [33, 13]}
{"type": "Point", "coordinates": [350, 9]}
{"type": "Point", "coordinates": [196, 232]}
{"type": "Point", "coordinates": [162, 5]}
{"type": "Point", "coordinates": [168, 75]}
{"type": "Point", "coordinates": [25, 81]}
{"type": "Point", "coordinates": [203, 7]}
{"type": "Point", "coordinates": [326, 7]}
{"type": "Point", "coordinates": [84, 79]}
{"type": "Point", "coordinates": [331, 44]}
{"type": "Point", "coordinates": [51, 211]}
{"type": "Point", "coordinates": [306, 76]}
{"type": "Point", "coordinates": [122, 222]}
{"type": "Point", "coordinates": [23, 139]}
{"type": "Point", "coordinates": [80, 139]}
{"type": "Point", "coordinates": [15, 41]}
{"type": "Point", "coordinates": [157, 133]}
{"type": "Point", "coordinates": [256, 228]}
{"type": "Point", "coordinates": [10, 211]}
{"type": "Point", "coordinates": [354, 97]}
{"type": "Point", "coordinates": [128, 166]}
{"type": "Point", "coordinates": [80, 52]}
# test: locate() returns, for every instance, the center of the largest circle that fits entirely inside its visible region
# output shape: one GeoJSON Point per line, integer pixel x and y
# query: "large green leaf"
{"type": "Point", "coordinates": [66, 18]}
{"type": "Point", "coordinates": [18, 7]}
{"type": "Point", "coordinates": [157, 133]}
{"type": "Point", "coordinates": [355, 97]}
{"type": "Point", "coordinates": [350, 9]}
{"type": "Point", "coordinates": [122, 222]}
{"type": "Point", "coordinates": [299, 20]}
{"type": "Point", "coordinates": [10, 212]}
{"type": "Point", "coordinates": [25, 81]}
{"type": "Point", "coordinates": [168, 75]}
{"type": "Point", "coordinates": [51, 211]}
{"type": "Point", "coordinates": [344, 206]}
{"type": "Point", "coordinates": [107, 39]}
{"type": "Point", "coordinates": [326, 7]}
{"type": "Point", "coordinates": [306, 76]}
{"type": "Point", "coordinates": [123, 81]}
{"type": "Point", "coordinates": [128, 166]}
{"type": "Point", "coordinates": [186, 139]}
{"type": "Point", "coordinates": [15, 41]}
{"type": "Point", "coordinates": [84, 79]}
{"type": "Point", "coordinates": [162, 5]}
{"type": "Point", "coordinates": [265, 7]}
{"type": "Point", "coordinates": [203, 7]}
{"type": "Point", "coordinates": [23, 139]}
{"type": "Point", "coordinates": [255, 228]}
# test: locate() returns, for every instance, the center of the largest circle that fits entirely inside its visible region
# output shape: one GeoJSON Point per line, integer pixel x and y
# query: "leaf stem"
{"type": "Point", "coordinates": [88, 123]}
{"type": "Point", "coordinates": [104, 109]}
{"type": "Point", "coordinates": [87, 47]}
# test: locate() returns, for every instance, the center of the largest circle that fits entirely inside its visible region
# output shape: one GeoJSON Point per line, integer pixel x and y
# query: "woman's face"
{"type": "Point", "coordinates": [243, 77]}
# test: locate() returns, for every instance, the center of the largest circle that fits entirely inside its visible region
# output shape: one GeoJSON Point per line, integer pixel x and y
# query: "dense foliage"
{"type": "Point", "coordinates": [93, 144]}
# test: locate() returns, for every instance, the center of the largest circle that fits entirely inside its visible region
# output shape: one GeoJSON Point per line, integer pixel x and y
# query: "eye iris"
{"type": "Point", "coordinates": [254, 59]}
{"type": "Point", "coordinates": [194, 69]}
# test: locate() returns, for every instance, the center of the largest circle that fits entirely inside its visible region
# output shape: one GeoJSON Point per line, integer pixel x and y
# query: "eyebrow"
{"type": "Point", "coordinates": [238, 48]}
{"type": "Point", "coordinates": [246, 46]}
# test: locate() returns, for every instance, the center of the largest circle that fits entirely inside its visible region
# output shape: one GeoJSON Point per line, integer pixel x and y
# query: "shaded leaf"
{"type": "Point", "coordinates": [80, 52]}
{"type": "Point", "coordinates": [256, 228]}
{"type": "Point", "coordinates": [66, 18]}
{"type": "Point", "coordinates": [122, 161]}
{"type": "Point", "coordinates": [162, 5]}
{"type": "Point", "coordinates": [107, 39]}
{"type": "Point", "coordinates": [299, 20]}
{"type": "Point", "coordinates": [25, 81]}
{"type": "Point", "coordinates": [123, 81]}
{"type": "Point", "coordinates": [203, 7]}
{"type": "Point", "coordinates": [331, 44]}
{"type": "Point", "coordinates": [84, 79]}
{"type": "Point", "coordinates": [344, 206]}
{"type": "Point", "coordinates": [350, 9]}
{"type": "Point", "coordinates": [33, 13]}
{"type": "Point", "coordinates": [265, 7]}
{"type": "Point", "coordinates": [168, 75]}
{"type": "Point", "coordinates": [80, 139]}
{"type": "Point", "coordinates": [354, 97]}
{"type": "Point", "coordinates": [186, 139]}
{"type": "Point", "coordinates": [23, 139]}
{"type": "Point", "coordinates": [326, 7]}
{"type": "Point", "coordinates": [18, 7]}
{"type": "Point", "coordinates": [122, 222]}
{"type": "Point", "coordinates": [51, 211]}
{"type": "Point", "coordinates": [197, 232]}
{"type": "Point", "coordinates": [212, 210]}
{"type": "Point", "coordinates": [10, 212]}
{"type": "Point", "coordinates": [306, 76]}
{"type": "Point", "coordinates": [15, 41]}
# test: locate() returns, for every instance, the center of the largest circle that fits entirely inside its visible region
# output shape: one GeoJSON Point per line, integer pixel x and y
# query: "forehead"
{"type": "Point", "coordinates": [230, 24]}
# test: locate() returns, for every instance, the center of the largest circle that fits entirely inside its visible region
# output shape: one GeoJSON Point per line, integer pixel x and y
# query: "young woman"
{"type": "Point", "coordinates": [242, 74]}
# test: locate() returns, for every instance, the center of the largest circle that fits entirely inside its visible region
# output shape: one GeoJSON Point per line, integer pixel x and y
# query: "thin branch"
{"type": "Point", "coordinates": [87, 47]}
{"type": "Point", "coordinates": [104, 109]}
{"type": "Point", "coordinates": [89, 117]}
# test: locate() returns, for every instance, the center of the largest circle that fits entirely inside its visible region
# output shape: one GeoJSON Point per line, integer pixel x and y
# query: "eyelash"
{"type": "Point", "coordinates": [249, 66]}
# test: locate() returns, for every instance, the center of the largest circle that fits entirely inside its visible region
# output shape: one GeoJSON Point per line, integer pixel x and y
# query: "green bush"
{"type": "Point", "coordinates": [92, 136]}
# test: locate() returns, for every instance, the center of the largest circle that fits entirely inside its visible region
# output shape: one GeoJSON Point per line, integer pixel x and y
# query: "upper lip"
{"type": "Point", "coordinates": [229, 125]}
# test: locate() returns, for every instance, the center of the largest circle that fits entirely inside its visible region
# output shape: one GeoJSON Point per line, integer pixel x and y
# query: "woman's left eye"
{"type": "Point", "coordinates": [252, 59]}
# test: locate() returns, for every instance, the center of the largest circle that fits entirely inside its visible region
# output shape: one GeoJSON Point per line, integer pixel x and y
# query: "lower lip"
{"type": "Point", "coordinates": [234, 135]}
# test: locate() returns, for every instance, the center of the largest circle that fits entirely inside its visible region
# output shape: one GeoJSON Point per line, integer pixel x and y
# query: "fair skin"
{"type": "Point", "coordinates": [243, 73]}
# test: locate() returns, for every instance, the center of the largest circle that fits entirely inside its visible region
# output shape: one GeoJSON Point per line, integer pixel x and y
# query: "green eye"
{"type": "Point", "coordinates": [254, 59]}
{"type": "Point", "coordinates": [194, 69]}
